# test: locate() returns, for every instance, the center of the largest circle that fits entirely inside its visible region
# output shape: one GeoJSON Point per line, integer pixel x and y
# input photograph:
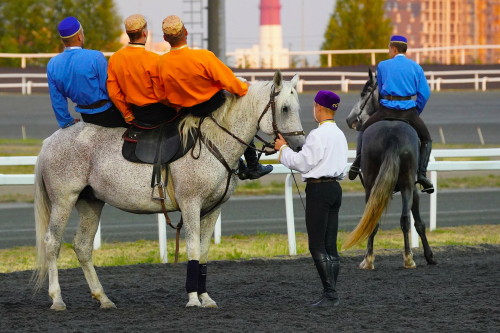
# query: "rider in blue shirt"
{"type": "Point", "coordinates": [80, 75]}
{"type": "Point", "coordinates": [400, 78]}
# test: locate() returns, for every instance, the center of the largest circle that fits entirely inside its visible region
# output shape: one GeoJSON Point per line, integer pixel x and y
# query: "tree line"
{"type": "Point", "coordinates": [30, 26]}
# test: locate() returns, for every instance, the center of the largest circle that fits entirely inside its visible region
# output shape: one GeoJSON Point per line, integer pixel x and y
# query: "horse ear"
{"type": "Point", "coordinates": [370, 74]}
{"type": "Point", "coordinates": [278, 80]}
{"type": "Point", "coordinates": [294, 80]}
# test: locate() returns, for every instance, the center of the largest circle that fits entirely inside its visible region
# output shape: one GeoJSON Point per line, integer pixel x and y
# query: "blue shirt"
{"type": "Point", "coordinates": [79, 75]}
{"type": "Point", "coordinates": [402, 77]}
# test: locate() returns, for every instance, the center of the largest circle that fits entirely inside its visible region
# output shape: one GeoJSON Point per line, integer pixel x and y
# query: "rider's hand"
{"type": "Point", "coordinates": [279, 143]}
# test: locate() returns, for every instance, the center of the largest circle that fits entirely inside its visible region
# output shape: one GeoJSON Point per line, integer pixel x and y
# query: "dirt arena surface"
{"type": "Point", "coordinates": [460, 294]}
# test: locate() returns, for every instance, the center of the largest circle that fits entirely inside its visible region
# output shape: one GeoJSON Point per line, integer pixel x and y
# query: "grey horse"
{"type": "Point", "coordinates": [389, 159]}
{"type": "Point", "coordinates": [85, 155]}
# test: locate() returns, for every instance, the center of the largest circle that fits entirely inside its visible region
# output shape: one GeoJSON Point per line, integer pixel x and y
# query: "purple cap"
{"type": "Point", "coordinates": [328, 99]}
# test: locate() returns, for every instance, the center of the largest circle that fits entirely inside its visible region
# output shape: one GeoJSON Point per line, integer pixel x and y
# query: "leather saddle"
{"type": "Point", "coordinates": [148, 144]}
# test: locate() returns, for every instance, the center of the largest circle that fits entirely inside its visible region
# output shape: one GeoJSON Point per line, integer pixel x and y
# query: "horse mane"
{"type": "Point", "coordinates": [233, 104]}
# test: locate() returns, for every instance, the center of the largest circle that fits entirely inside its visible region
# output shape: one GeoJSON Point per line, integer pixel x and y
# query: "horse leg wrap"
{"type": "Point", "coordinates": [192, 276]}
{"type": "Point", "coordinates": [202, 279]}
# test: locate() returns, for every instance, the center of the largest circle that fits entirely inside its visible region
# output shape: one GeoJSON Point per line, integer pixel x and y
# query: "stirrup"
{"type": "Point", "coordinates": [153, 191]}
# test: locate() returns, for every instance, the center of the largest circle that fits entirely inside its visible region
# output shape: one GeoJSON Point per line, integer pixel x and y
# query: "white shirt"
{"type": "Point", "coordinates": [323, 155]}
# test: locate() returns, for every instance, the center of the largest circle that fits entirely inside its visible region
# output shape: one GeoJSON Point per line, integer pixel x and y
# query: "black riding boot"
{"type": "Point", "coordinates": [335, 274]}
{"type": "Point", "coordinates": [354, 171]}
{"type": "Point", "coordinates": [425, 153]}
{"type": "Point", "coordinates": [253, 169]}
{"type": "Point", "coordinates": [327, 276]}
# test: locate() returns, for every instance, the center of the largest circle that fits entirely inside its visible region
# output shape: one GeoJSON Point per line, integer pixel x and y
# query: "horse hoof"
{"type": "Point", "coordinates": [366, 265]}
{"type": "Point", "coordinates": [410, 264]}
{"type": "Point", "coordinates": [58, 305]}
{"type": "Point", "coordinates": [193, 304]}
{"type": "Point", "coordinates": [207, 302]}
{"type": "Point", "coordinates": [108, 305]}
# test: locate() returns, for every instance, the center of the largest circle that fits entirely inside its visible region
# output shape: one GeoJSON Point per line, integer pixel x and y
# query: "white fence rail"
{"type": "Point", "coordinates": [477, 79]}
{"type": "Point", "coordinates": [434, 167]}
{"type": "Point", "coordinates": [329, 53]}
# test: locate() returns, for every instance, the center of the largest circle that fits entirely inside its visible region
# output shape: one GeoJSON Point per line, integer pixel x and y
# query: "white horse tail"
{"type": "Point", "coordinates": [42, 218]}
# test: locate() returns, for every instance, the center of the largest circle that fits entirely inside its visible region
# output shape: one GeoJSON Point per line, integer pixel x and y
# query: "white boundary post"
{"type": "Point", "coordinates": [290, 222]}
{"type": "Point", "coordinates": [218, 229]}
{"type": "Point", "coordinates": [162, 237]}
{"type": "Point", "coordinates": [414, 234]}
{"type": "Point", "coordinates": [97, 237]}
{"type": "Point", "coordinates": [433, 204]}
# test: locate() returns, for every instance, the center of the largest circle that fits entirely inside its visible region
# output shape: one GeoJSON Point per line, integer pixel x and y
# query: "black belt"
{"type": "Point", "coordinates": [321, 180]}
{"type": "Point", "coordinates": [95, 105]}
{"type": "Point", "coordinates": [396, 98]}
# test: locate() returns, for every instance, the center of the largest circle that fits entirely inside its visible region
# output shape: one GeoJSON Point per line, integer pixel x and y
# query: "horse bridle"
{"type": "Point", "coordinates": [374, 87]}
{"type": "Point", "coordinates": [271, 104]}
{"type": "Point", "coordinates": [213, 149]}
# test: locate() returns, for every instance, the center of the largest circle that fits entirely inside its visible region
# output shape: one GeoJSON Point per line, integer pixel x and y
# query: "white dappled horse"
{"type": "Point", "coordinates": [88, 155]}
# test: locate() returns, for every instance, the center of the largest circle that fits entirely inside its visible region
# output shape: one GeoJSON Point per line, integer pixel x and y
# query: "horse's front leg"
{"type": "Point", "coordinates": [407, 197]}
{"type": "Point", "coordinates": [191, 217]}
{"type": "Point", "coordinates": [207, 229]}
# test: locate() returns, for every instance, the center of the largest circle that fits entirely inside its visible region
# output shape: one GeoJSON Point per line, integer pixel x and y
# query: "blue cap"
{"type": "Point", "coordinates": [400, 39]}
{"type": "Point", "coordinates": [69, 27]}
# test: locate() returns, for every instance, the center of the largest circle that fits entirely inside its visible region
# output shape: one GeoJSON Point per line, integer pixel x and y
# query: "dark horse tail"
{"type": "Point", "coordinates": [380, 196]}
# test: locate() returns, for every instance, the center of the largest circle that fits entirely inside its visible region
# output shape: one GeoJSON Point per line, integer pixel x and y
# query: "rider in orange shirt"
{"type": "Point", "coordinates": [195, 80]}
{"type": "Point", "coordinates": [133, 81]}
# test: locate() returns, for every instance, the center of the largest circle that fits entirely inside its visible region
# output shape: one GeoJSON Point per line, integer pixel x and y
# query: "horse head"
{"type": "Point", "coordinates": [286, 112]}
{"type": "Point", "coordinates": [366, 106]}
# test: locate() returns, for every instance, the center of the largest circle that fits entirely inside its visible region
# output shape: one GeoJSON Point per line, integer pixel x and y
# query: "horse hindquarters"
{"type": "Point", "coordinates": [380, 195]}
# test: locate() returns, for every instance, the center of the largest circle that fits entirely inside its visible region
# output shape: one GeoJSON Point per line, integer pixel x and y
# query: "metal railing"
{"type": "Point", "coordinates": [434, 167]}
{"type": "Point", "coordinates": [435, 79]}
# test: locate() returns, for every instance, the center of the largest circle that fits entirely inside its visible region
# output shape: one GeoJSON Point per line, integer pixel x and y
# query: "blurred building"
{"type": "Point", "coordinates": [160, 47]}
{"type": "Point", "coordinates": [270, 52]}
{"type": "Point", "coordinates": [434, 23]}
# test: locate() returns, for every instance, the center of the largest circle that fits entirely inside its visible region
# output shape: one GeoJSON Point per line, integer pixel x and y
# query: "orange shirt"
{"type": "Point", "coordinates": [133, 78]}
{"type": "Point", "coordinates": [189, 77]}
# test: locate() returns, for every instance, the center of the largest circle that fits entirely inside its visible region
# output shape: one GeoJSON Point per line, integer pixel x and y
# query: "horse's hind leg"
{"type": "Point", "coordinates": [207, 228]}
{"type": "Point", "coordinates": [420, 227]}
{"type": "Point", "coordinates": [369, 256]}
{"type": "Point", "coordinates": [89, 212]}
{"type": "Point", "coordinates": [407, 196]}
{"type": "Point", "coordinates": [59, 216]}
{"type": "Point", "coordinates": [367, 262]}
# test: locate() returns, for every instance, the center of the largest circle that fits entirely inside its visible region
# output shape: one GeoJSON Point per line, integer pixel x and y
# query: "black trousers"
{"type": "Point", "coordinates": [152, 114]}
{"type": "Point", "coordinates": [409, 115]}
{"type": "Point", "coordinates": [112, 117]}
{"type": "Point", "coordinates": [207, 107]}
{"type": "Point", "coordinates": [323, 201]}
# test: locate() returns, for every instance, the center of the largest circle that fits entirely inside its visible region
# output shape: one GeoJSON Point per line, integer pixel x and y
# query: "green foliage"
{"type": "Point", "coordinates": [30, 26]}
{"type": "Point", "coordinates": [357, 24]}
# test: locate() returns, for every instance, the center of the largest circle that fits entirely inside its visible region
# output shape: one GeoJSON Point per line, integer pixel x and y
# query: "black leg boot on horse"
{"type": "Point", "coordinates": [423, 161]}
{"type": "Point", "coordinates": [328, 273]}
{"type": "Point", "coordinates": [253, 169]}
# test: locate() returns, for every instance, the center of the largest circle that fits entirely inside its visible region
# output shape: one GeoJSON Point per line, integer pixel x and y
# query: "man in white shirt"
{"type": "Point", "coordinates": [321, 162]}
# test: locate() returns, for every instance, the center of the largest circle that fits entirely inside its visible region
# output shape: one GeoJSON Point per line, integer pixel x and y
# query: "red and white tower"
{"type": "Point", "coordinates": [270, 52]}
{"type": "Point", "coordinates": [271, 35]}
